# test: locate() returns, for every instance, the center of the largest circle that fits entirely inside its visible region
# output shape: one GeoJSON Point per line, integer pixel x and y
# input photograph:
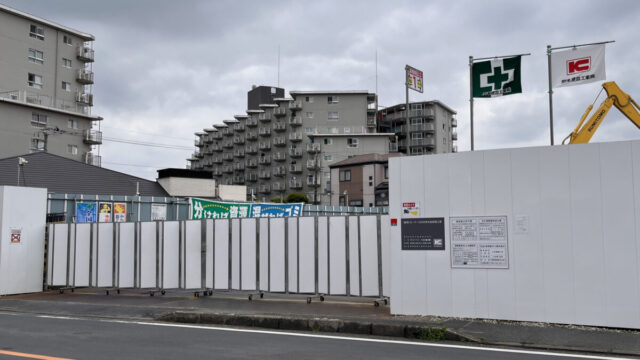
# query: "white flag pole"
{"type": "Point", "coordinates": [550, 94]}
{"type": "Point", "coordinates": [471, 97]}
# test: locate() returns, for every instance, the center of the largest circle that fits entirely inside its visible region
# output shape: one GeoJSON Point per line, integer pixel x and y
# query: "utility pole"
{"type": "Point", "coordinates": [315, 176]}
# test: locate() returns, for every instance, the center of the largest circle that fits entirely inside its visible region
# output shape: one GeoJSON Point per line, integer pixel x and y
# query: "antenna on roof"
{"type": "Point", "coordinates": [278, 65]}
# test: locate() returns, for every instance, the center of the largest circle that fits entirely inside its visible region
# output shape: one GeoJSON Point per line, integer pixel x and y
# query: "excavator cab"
{"type": "Point", "coordinates": [584, 131]}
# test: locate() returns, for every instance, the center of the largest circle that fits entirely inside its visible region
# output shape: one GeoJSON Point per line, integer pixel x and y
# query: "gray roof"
{"type": "Point", "coordinates": [67, 176]}
{"type": "Point", "coordinates": [80, 34]}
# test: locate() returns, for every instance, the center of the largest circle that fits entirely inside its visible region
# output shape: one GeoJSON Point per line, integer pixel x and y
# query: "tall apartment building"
{"type": "Point", "coordinates": [45, 88]}
{"type": "Point", "coordinates": [432, 127]}
{"type": "Point", "coordinates": [287, 144]}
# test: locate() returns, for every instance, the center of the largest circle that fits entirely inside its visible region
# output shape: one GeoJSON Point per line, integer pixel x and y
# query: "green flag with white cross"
{"type": "Point", "coordinates": [496, 77]}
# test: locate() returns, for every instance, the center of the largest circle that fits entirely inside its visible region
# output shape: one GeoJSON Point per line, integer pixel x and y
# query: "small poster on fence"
{"type": "Point", "coordinates": [119, 212]}
{"type": "Point", "coordinates": [105, 212]}
{"type": "Point", "coordinates": [86, 212]}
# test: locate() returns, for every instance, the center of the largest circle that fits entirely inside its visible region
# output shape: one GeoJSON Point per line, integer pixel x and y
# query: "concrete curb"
{"type": "Point", "coordinates": [327, 325]}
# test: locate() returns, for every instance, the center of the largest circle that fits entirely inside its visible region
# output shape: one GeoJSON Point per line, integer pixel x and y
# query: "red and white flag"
{"type": "Point", "coordinates": [578, 66]}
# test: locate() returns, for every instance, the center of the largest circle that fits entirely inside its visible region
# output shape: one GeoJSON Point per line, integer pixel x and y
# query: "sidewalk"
{"type": "Point", "coordinates": [345, 315]}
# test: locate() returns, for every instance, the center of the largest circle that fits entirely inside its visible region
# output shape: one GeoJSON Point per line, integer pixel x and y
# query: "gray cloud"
{"type": "Point", "coordinates": [167, 69]}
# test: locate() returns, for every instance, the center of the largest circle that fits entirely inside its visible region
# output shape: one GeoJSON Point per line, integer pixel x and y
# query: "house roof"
{"type": "Point", "coordinates": [80, 34]}
{"type": "Point", "coordinates": [62, 175]}
{"type": "Point", "coordinates": [365, 159]}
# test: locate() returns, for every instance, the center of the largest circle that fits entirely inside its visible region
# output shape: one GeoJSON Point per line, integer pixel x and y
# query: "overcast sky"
{"type": "Point", "coordinates": [166, 69]}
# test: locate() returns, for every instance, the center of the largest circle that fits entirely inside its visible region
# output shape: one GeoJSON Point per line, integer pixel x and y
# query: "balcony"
{"type": "Point", "coordinates": [238, 179]}
{"type": "Point", "coordinates": [280, 112]}
{"type": "Point", "coordinates": [251, 150]}
{"type": "Point", "coordinates": [371, 121]}
{"type": "Point", "coordinates": [216, 147]}
{"type": "Point", "coordinates": [227, 131]}
{"type": "Point", "coordinates": [84, 98]}
{"type": "Point", "coordinates": [454, 135]}
{"type": "Point", "coordinates": [265, 189]}
{"type": "Point", "coordinates": [238, 127]}
{"type": "Point", "coordinates": [239, 153]}
{"type": "Point", "coordinates": [264, 131]}
{"type": "Point", "coordinates": [252, 177]}
{"type": "Point", "coordinates": [295, 105]}
{"type": "Point", "coordinates": [427, 127]}
{"type": "Point", "coordinates": [294, 152]}
{"type": "Point", "coordinates": [217, 160]}
{"type": "Point", "coordinates": [92, 137]}
{"type": "Point", "coordinates": [216, 172]}
{"type": "Point", "coordinates": [264, 145]}
{"type": "Point", "coordinates": [279, 141]}
{"type": "Point", "coordinates": [216, 135]}
{"type": "Point", "coordinates": [279, 126]}
{"type": "Point", "coordinates": [295, 168]}
{"type": "Point", "coordinates": [295, 184]}
{"type": "Point", "coordinates": [313, 182]}
{"type": "Point", "coordinates": [227, 169]}
{"type": "Point", "coordinates": [266, 117]}
{"type": "Point", "coordinates": [295, 121]}
{"type": "Point", "coordinates": [279, 156]}
{"type": "Point", "coordinates": [264, 175]}
{"type": "Point", "coordinates": [208, 151]}
{"type": "Point", "coordinates": [84, 76]}
{"type": "Point", "coordinates": [313, 165]}
{"type": "Point", "coordinates": [227, 144]}
{"type": "Point", "coordinates": [279, 171]}
{"type": "Point", "coordinates": [251, 122]}
{"type": "Point", "coordinates": [92, 159]}
{"type": "Point", "coordinates": [295, 136]}
{"type": "Point", "coordinates": [454, 148]}
{"type": "Point", "coordinates": [252, 135]}
{"type": "Point", "coordinates": [238, 166]}
{"type": "Point", "coordinates": [454, 123]}
{"type": "Point", "coordinates": [429, 142]}
{"type": "Point", "coordinates": [264, 160]}
{"type": "Point", "coordinates": [277, 186]}
{"type": "Point", "coordinates": [251, 164]}
{"type": "Point", "coordinates": [198, 142]}
{"type": "Point", "coordinates": [313, 148]}
{"type": "Point", "coordinates": [85, 54]}
{"type": "Point", "coordinates": [227, 156]}
{"type": "Point", "coordinates": [198, 154]}
{"type": "Point", "coordinates": [238, 140]}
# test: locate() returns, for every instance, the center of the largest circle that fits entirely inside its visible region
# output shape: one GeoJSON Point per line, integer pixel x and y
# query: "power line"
{"type": "Point", "coordinates": [150, 134]}
{"type": "Point", "coordinates": [144, 143]}
{"type": "Point", "coordinates": [134, 165]}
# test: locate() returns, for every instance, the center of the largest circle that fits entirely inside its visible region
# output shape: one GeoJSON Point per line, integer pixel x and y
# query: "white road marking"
{"type": "Point", "coordinates": [362, 339]}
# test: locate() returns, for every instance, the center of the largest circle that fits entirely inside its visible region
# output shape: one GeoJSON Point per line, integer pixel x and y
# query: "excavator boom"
{"type": "Point", "coordinates": [585, 130]}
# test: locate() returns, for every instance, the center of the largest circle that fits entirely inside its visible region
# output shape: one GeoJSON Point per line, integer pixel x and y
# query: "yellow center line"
{"type": "Point", "coordinates": [31, 356]}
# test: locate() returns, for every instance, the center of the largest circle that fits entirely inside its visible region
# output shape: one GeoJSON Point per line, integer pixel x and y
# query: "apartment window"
{"type": "Point", "coordinates": [37, 145]}
{"type": "Point", "coordinates": [416, 136]}
{"type": "Point", "coordinates": [308, 99]}
{"type": "Point", "coordinates": [328, 158]}
{"type": "Point", "coordinates": [72, 124]}
{"type": "Point", "coordinates": [34, 81]}
{"type": "Point", "coordinates": [66, 63]}
{"type": "Point", "coordinates": [345, 175]}
{"type": "Point", "coordinates": [328, 141]}
{"type": "Point", "coordinates": [333, 116]}
{"type": "Point", "coordinates": [308, 130]}
{"type": "Point", "coordinates": [386, 172]}
{"type": "Point", "coordinates": [333, 99]}
{"type": "Point", "coordinates": [347, 130]}
{"type": "Point", "coordinates": [36, 32]}
{"type": "Point", "coordinates": [38, 120]}
{"type": "Point", "coordinates": [355, 202]}
{"type": "Point", "coordinates": [352, 142]}
{"type": "Point", "coordinates": [36, 56]}
{"type": "Point", "coordinates": [416, 121]}
{"type": "Point", "coordinates": [66, 86]}
{"type": "Point", "coordinates": [341, 201]}
{"type": "Point", "coordinates": [67, 40]}
{"type": "Point", "coordinates": [416, 151]}
{"type": "Point", "coordinates": [309, 115]}
{"type": "Point", "coordinates": [334, 130]}
{"type": "Point", "coordinates": [72, 149]}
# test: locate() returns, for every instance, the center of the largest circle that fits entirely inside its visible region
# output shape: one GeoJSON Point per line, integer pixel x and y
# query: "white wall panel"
{"type": "Point", "coordinates": [209, 255]}
{"type": "Point", "coordinates": [58, 251]}
{"type": "Point", "coordinates": [354, 257]}
{"type": "Point", "coordinates": [105, 254]}
{"type": "Point", "coordinates": [221, 241]}
{"type": "Point", "coordinates": [323, 255]}
{"type": "Point", "coordinates": [82, 255]}
{"type": "Point", "coordinates": [369, 255]}
{"type": "Point", "coordinates": [276, 255]}
{"type": "Point", "coordinates": [235, 254]}
{"type": "Point", "coordinates": [148, 255]}
{"type": "Point", "coordinates": [193, 254]}
{"type": "Point", "coordinates": [307, 255]}
{"type": "Point", "coordinates": [71, 267]}
{"type": "Point", "coordinates": [337, 256]}
{"type": "Point", "coordinates": [385, 228]}
{"type": "Point", "coordinates": [264, 254]}
{"type": "Point", "coordinates": [248, 252]}
{"type": "Point", "coordinates": [126, 255]}
{"type": "Point", "coordinates": [171, 255]}
{"type": "Point", "coordinates": [572, 215]}
{"type": "Point", "coordinates": [292, 251]}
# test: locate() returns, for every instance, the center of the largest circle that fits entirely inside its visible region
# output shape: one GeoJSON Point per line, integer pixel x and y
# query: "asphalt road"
{"type": "Point", "coordinates": [51, 338]}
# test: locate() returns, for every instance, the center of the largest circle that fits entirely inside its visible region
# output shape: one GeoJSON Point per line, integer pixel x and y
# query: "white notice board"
{"type": "Point", "coordinates": [479, 242]}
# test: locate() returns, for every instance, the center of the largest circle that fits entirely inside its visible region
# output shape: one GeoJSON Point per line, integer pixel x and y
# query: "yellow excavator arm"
{"type": "Point", "coordinates": [584, 131]}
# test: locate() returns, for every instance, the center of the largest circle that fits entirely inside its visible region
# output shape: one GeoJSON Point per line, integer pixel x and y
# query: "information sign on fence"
{"type": "Point", "coordinates": [422, 234]}
{"type": "Point", "coordinates": [206, 209]}
{"type": "Point", "coordinates": [479, 242]}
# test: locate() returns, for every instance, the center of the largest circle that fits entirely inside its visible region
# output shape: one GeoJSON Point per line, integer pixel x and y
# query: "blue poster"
{"type": "Point", "coordinates": [86, 212]}
{"type": "Point", "coordinates": [276, 210]}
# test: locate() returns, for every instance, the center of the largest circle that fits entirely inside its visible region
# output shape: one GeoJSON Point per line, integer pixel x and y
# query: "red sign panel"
{"type": "Point", "coordinates": [15, 237]}
{"type": "Point", "coordinates": [411, 204]}
{"type": "Point", "coordinates": [575, 66]}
